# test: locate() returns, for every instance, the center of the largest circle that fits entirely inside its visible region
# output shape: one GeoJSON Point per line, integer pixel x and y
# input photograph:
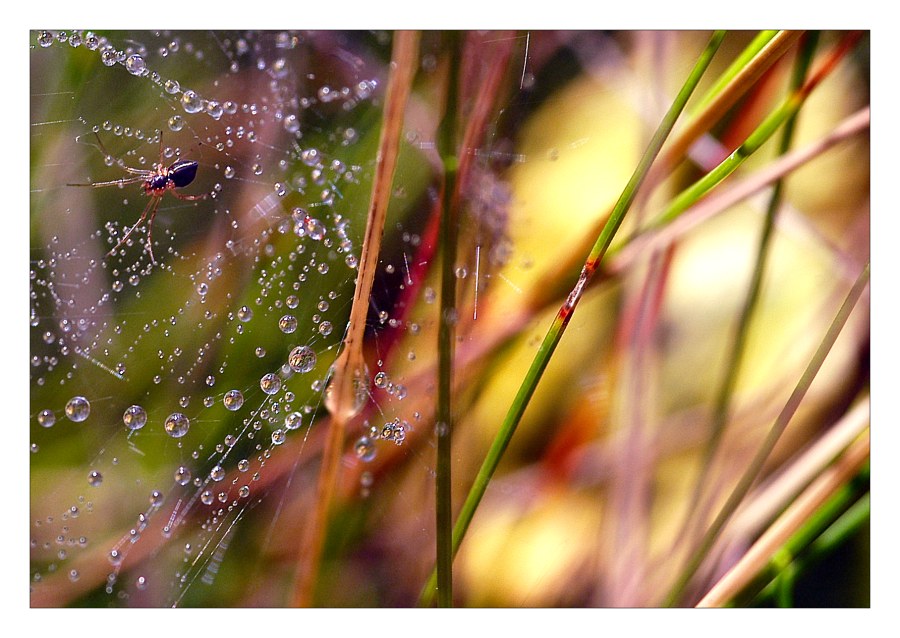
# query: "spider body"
{"type": "Point", "coordinates": [155, 184]}
{"type": "Point", "coordinates": [178, 175]}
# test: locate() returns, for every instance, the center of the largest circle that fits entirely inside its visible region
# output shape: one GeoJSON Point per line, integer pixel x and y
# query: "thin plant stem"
{"type": "Point", "coordinates": [564, 315]}
{"type": "Point", "coordinates": [449, 231]}
{"type": "Point", "coordinates": [723, 397]}
{"type": "Point", "coordinates": [348, 381]}
{"type": "Point", "coordinates": [781, 422]}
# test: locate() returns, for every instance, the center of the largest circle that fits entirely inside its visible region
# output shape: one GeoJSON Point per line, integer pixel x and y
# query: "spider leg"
{"type": "Point", "coordinates": [150, 227]}
{"type": "Point", "coordinates": [133, 171]}
{"type": "Point", "coordinates": [154, 201]}
{"type": "Point", "coordinates": [117, 182]}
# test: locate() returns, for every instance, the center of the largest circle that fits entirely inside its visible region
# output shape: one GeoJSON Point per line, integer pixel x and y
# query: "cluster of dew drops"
{"type": "Point", "coordinates": [302, 359]}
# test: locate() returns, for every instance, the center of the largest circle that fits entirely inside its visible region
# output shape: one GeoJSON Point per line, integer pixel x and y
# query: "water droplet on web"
{"type": "Point", "coordinates": [278, 437]}
{"type": "Point", "coordinates": [381, 379]}
{"type": "Point", "coordinates": [217, 473]}
{"type": "Point", "coordinates": [135, 417]}
{"type": "Point", "coordinates": [46, 418]}
{"type": "Point", "coordinates": [270, 383]}
{"type": "Point", "coordinates": [109, 56]}
{"type": "Point", "coordinates": [302, 359]}
{"type": "Point", "coordinates": [156, 498]}
{"type": "Point", "coordinates": [287, 324]}
{"type": "Point", "coordinates": [135, 64]}
{"type": "Point", "coordinates": [95, 478]}
{"type": "Point", "coordinates": [229, 172]}
{"type": "Point", "coordinates": [206, 497]}
{"type": "Point", "coordinates": [293, 420]}
{"type": "Point", "coordinates": [172, 87]}
{"type": "Point", "coordinates": [182, 475]}
{"type": "Point", "coordinates": [365, 449]}
{"type": "Point", "coordinates": [291, 123]}
{"type": "Point", "coordinates": [45, 39]}
{"type": "Point", "coordinates": [233, 400]}
{"type": "Point", "coordinates": [244, 491]}
{"type": "Point", "coordinates": [325, 328]}
{"type": "Point", "coordinates": [245, 313]}
{"type": "Point", "coordinates": [191, 102]}
{"type": "Point", "coordinates": [177, 425]}
{"type": "Point", "coordinates": [176, 123]}
{"type": "Point", "coordinates": [78, 409]}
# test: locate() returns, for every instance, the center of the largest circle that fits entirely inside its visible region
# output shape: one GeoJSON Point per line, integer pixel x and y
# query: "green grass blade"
{"type": "Point", "coordinates": [449, 229]}
{"type": "Point", "coordinates": [557, 328]}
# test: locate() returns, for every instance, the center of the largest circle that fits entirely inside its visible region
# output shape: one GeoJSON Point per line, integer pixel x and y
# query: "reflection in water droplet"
{"type": "Point", "coordinates": [182, 475]}
{"type": "Point", "coordinates": [293, 420]}
{"type": "Point", "coordinates": [78, 409]}
{"type": "Point", "coordinates": [135, 417]}
{"type": "Point", "coordinates": [46, 418]}
{"type": "Point", "coordinates": [287, 324]}
{"type": "Point", "coordinates": [177, 425]}
{"type": "Point", "coordinates": [365, 449]}
{"type": "Point", "coordinates": [233, 400]}
{"type": "Point", "coordinates": [302, 359]}
{"type": "Point", "coordinates": [270, 383]}
{"type": "Point", "coordinates": [135, 64]}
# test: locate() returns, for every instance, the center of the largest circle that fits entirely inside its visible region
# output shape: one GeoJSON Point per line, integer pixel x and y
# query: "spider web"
{"type": "Point", "coordinates": [172, 402]}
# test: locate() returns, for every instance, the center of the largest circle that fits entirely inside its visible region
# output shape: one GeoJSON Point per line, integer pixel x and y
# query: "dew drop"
{"type": "Point", "coordinates": [244, 491]}
{"type": "Point", "coordinates": [78, 409]}
{"type": "Point", "coordinates": [191, 102]}
{"type": "Point", "coordinates": [177, 425]}
{"type": "Point", "coordinates": [46, 418]}
{"type": "Point", "coordinates": [95, 478]}
{"type": "Point", "coordinates": [245, 313]}
{"type": "Point", "coordinates": [156, 498]}
{"type": "Point", "coordinates": [135, 417]}
{"type": "Point", "coordinates": [176, 123]}
{"type": "Point", "coordinates": [287, 324]}
{"type": "Point", "coordinates": [172, 87]}
{"type": "Point", "coordinates": [233, 400]}
{"type": "Point", "coordinates": [278, 437]}
{"type": "Point", "coordinates": [270, 383]}
{"type": "Point", "coordinates": [365, 449]}
{"type": "Point", "coordinates": [217, 473]}
{"type": "Point", "coordinates": [381, 380]}
{"type": "Point", "coordinates": [293, 420]}
{"type": "Point", "coordinates": [135, 64]}
{"type": "Point", "coordinates": [45, 39]}
{"type": "Point", "coordinates": [302, 359]}
{"type": "Point", "coordinates": [325, 328]}
{"type": "Point", "coordinates": [182, 475]}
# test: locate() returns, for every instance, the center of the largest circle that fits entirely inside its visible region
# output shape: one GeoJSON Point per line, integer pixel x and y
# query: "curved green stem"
{"type": "Point", "coordinates": [557, 328]}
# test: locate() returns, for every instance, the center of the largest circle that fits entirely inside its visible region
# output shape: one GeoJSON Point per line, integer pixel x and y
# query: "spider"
{"type": "Point", "coordinates": [155, 183]}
